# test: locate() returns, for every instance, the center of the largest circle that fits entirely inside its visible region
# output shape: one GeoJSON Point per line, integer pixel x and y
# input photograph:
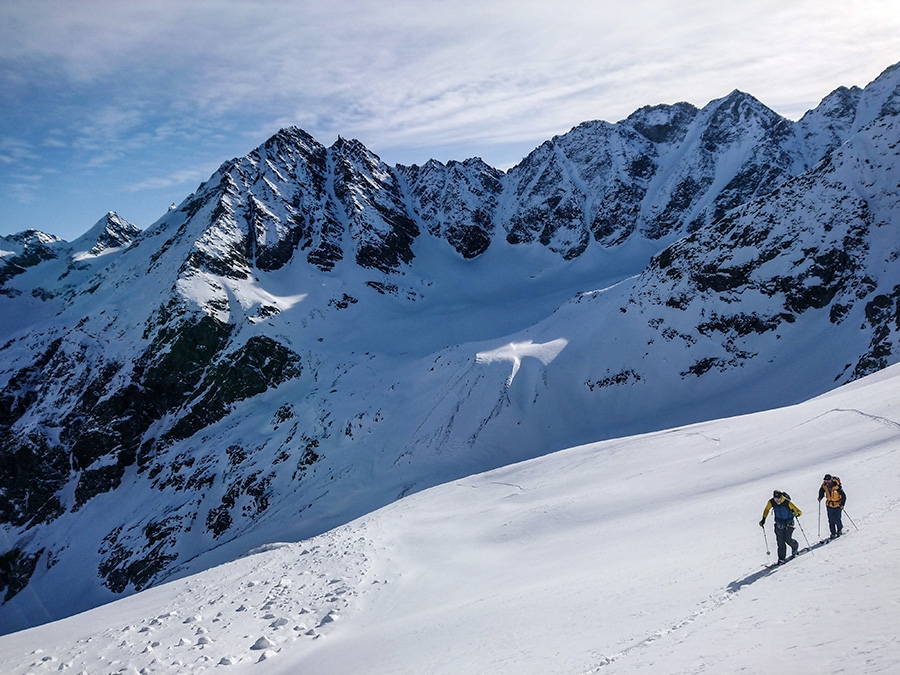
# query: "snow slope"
{"type": "Point", "coordinates": [634, 555]}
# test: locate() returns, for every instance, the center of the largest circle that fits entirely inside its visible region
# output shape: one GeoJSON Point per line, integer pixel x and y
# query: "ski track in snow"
{"type": "Point", "coordinates": [877, 418]}
{"type": "Point", "coordinates": [705, 608]}
{"type": "Point", "coordinates": [715, 603]}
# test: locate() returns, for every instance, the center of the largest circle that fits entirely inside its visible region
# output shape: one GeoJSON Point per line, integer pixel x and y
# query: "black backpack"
{"type": "Point", "coordinates": [786, 496]}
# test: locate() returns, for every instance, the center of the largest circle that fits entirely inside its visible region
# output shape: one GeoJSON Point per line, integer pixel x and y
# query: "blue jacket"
{"type": "Point", "coordinates": [784, 511]}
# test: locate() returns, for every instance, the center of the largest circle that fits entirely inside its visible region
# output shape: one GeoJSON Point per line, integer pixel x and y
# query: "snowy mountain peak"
{"type": "Point", "coordinates": [23, 250]}
{"type": "Point", "coordinates": [109, 233]}
{"type": "Point", "coordinates": [663, 124]}
{"type": "Point", "coordinates": [32, 237]}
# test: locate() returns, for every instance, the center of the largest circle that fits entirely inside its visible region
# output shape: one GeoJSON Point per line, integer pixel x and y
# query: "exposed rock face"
{"type": "Point", "coordinates": [111, 233]}
{"type": "Point", "coordinates": [457, 202]}
{"type": "Point", "coordinates": [259, 351]}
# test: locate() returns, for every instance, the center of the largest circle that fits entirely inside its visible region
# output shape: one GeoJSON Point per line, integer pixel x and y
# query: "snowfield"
{"type": "Point", "coordinates": [635, 555]}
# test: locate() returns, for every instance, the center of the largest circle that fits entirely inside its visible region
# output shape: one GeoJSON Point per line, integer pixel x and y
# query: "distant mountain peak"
{"type": "Point", "coordinates": [33, 236]}
{"type": "Point", "coordinates": [109, 233]}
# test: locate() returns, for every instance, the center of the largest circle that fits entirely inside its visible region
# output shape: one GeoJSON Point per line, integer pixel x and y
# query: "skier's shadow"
{"type": "Point", "coordinates": [738, 584]}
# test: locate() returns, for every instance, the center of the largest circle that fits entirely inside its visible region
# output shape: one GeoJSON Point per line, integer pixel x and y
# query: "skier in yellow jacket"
{"type": "Point", "coordinates": [784, 511]}
{"type": "Point", "coordinates": [835, 498]}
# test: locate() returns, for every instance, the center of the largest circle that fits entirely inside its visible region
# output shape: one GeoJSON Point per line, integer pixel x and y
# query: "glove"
{"type": "Point", "coordinates": [762, 523]}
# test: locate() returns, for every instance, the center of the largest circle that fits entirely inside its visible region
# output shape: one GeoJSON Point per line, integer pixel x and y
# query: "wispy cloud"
{"type": "Point", "coordinates": [107, 84]}
{"type": "Point", "coordinates": [178, 178]}
{"type": "Point", "coordinates": [408, 69]}
{"type": "Point", "coordinates": [23, 187]}
{"type": "Point", "coordinates": [13, 150]}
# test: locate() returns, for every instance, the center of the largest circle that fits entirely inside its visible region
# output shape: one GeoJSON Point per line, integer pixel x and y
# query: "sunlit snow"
{"type": "Point", "coordinates": [514, 352]}
{"type": "Point", "coordinates": [634, 555]}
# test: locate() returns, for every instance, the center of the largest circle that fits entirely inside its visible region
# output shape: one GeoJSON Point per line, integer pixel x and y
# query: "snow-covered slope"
{"type": "Point", "coordinates": [635, 555]}
{"type": "Point", "coordinates": [313, 334]}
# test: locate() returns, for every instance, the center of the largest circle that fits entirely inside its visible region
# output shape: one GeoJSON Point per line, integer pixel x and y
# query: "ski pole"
{"type": "Point", "coordinates": [820, 520]}
{"type": "Point", "coordinates": [850, 519]}
{"type": "Point", "coordinates": [804, 535]}
{"type": "Point", "coordinates": [766, 539]}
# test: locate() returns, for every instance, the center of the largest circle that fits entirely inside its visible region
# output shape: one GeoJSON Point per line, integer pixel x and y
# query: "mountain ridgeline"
{"type": "Point", "coordinates": [313, 333]}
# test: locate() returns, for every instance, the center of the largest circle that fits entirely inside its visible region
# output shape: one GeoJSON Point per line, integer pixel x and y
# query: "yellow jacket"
{"type": "Point", "coordinates": [783, 510]}
{"type": "Point", "coordinates": [833, 494]}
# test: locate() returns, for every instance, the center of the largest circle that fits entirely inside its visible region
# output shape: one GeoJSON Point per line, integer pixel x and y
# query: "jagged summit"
{"type": "Point", "coordinates": [32, 236]}
{"type": "Point", "coordinates": [663, 124]}
{"type": "Point", "coordinates": [23, 250]}
{"type": "Point", "coordinates": [109, 233]}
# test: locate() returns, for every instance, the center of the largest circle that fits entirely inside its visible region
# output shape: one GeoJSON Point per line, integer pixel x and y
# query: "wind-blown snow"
{"type": "Point", "coordinates": [634, 555]}
{"type": "Point", "coordinates": [514, 352]}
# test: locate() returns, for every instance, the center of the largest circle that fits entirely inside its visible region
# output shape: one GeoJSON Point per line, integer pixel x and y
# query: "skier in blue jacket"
{"type": "Point", "coordinates": [784, 511]}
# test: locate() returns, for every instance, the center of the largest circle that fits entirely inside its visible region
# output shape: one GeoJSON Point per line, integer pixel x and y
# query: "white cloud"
{"type": "Point", "coordinates": [23, 187]}
{"type": "Point", "coordinates": [183, 177]}
{"type": "Point", "coordinates": [15, 150]}
{"type": "Point", "coordinates": [406, 69]}
{"type": "Point", "coordinates": [155, 82]}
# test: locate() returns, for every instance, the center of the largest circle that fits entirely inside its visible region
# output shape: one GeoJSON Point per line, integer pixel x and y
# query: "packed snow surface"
{"type": "Point", "coordinates": [634, 555]}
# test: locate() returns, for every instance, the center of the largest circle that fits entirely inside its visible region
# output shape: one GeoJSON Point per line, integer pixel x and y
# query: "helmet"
{"type": "Point", "coordinates": [827, 476]}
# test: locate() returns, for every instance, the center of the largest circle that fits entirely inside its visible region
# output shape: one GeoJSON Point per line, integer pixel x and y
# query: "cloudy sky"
{"type": "Point", "coordinates": [129, 106]}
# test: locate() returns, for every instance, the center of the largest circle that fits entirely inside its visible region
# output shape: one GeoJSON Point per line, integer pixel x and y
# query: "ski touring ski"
{"type": "Point", "coordinates": [828, 540]}
{"type": "Point", "coordinates": [779, 563]}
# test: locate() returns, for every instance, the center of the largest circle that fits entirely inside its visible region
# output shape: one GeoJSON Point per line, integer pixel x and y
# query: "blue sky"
{"type": "Point", "coordinates": [129, 106]}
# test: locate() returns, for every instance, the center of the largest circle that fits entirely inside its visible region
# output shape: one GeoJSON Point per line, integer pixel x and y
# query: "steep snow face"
{"type": "Point", "coordinates": [110, 234]}
{"type": "Point", "coordinates": [660, 173]}
{"type": "Point", "coordinates": [255, 212]}
{"type": "Point", "coordinates": [313, 334]}
{"type": "Point", "coordinates": [381, 227]}
{"type": "Point", "coordinates": [828, 125]}
{"type": "Point", "coordinates": [821, 248]}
